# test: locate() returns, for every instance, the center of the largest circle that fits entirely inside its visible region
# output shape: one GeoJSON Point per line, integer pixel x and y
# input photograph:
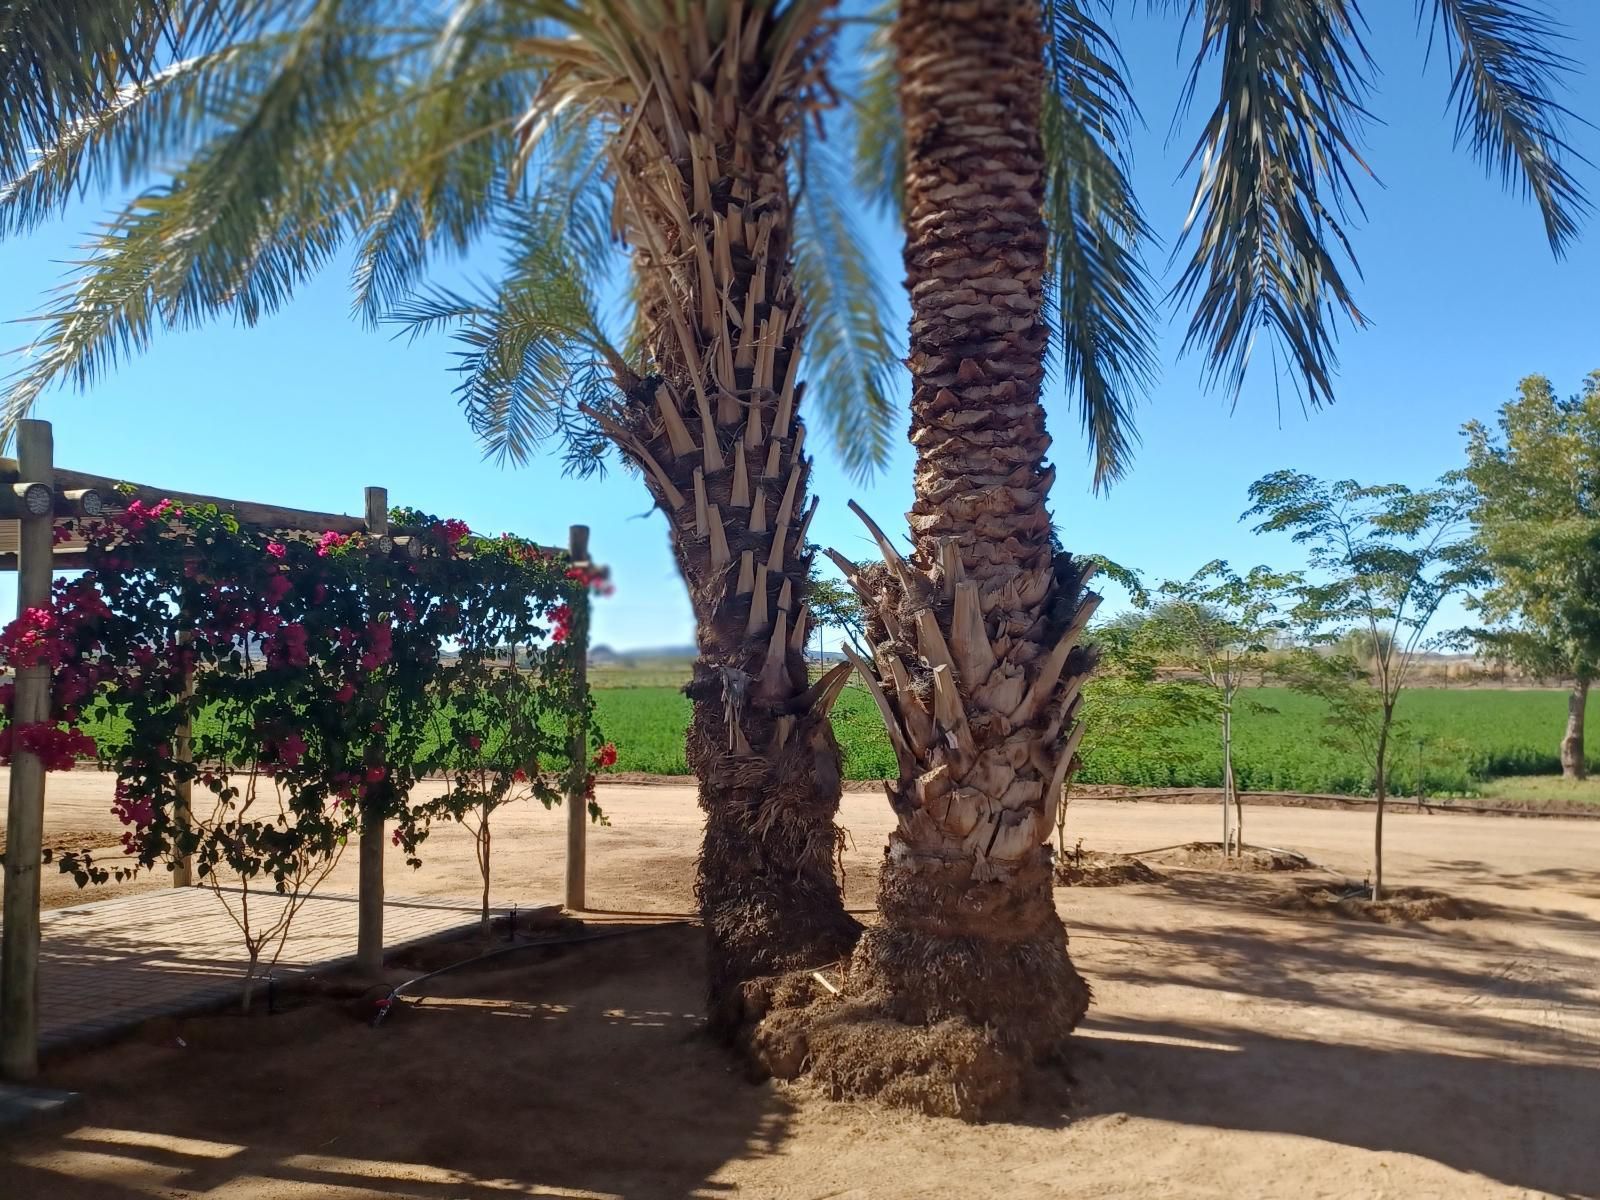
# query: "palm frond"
{"type": "Point", "coordinates": [532, 345]}
{"type": "Point", "coordinates": [1275, 186]}
{"type": "Point", "coordinates": [451, 146]}
{"type": "Point", "coordinates": [1099, 284]}
{"type": "Point", "coordinates": [262, 205]}
{"type": "Point", "coordinates": [874, 115]}
{"type": "Point", "coordinates": [850, 355]}
{"type": "Point", "coordinates": [64, 61]}
{"type": "Point", "coordinates": [1507, 73]}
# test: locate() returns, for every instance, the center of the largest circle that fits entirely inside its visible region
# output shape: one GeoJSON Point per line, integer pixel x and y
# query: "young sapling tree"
{"type": "Point", "coordinates": [1221, 626]}
{"type": "Point", "coordinates": [1382, 558]}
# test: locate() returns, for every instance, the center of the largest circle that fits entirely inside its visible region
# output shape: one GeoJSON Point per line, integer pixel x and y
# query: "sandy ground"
{"type": "Point", "coordinates": [1233, 1050]}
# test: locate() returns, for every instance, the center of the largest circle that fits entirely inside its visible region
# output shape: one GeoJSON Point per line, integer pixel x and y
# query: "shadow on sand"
{"type": "Point", "coordinates": [1526, 1125]}
{"type": "Point", "coordinates": [583, 1075]}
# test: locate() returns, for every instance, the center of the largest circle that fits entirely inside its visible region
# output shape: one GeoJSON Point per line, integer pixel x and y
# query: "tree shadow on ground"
{"type": "Point", "coordinates": [1475, 873]}
{"type": "Point", "coordinates": [584, 1075]}
{"type": "Point", "coordinates": [1456, 976]}
{"type": "Point", "coordinates": [1527, 1125]}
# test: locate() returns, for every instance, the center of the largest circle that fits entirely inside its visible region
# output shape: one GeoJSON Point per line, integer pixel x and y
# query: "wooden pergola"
{"type": "Point", "coordinates": [35, 497]}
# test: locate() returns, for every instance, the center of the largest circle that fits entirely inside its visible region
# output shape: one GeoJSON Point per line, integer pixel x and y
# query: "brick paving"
{"type": "Point", "coordinates": [113, 963]}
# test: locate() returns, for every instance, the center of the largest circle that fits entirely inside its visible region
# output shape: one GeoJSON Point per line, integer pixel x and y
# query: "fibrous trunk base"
{"type": "Point", "coordinates": [766, 886]}
{"type": "Point", "coordinates": [949, 1023]}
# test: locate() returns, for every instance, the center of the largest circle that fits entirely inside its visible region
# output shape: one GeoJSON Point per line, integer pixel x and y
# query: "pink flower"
{"type": "Point", "coordinates": [329, 542]}
{"type": "Point", "coordinates": [277, 549]}
{"type": "Point", "coordinates": [376, 774]}
{"type": "Point", "coordinates": [475, 742]}
{"type": "Point", "coordinates": [291, 749]}
{"type": "Point", "coordinates": [346, 693]}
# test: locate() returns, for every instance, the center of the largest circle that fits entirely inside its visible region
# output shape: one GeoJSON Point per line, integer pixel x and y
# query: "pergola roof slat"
{"type": "Point", "coordinates": [116, 494]}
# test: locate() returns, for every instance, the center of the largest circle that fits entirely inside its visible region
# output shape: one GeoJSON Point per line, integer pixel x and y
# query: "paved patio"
{"type": "Point", "coordinates": [113, 963]}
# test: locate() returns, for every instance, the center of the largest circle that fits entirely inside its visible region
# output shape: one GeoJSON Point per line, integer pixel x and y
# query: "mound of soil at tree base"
{"type": "Point", "coordinates": [1096, 868]}
{"type": "Point", "coordinates": [1398, 907]}
{"type": "Point", "coordinates": [1209, 856]}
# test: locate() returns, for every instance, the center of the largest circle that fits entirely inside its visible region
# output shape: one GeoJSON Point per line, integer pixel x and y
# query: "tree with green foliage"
{"type": "Point", "coordinates": [1220, 625]}
{"type": "Point", "coordinates": [1536, 507]}
{"type": "Point", "coordinates": [1127, 700]}
{"type": "Point", "coordinates": [835, 605]}
{"type": "Point", "coordinates": [1382, 558]}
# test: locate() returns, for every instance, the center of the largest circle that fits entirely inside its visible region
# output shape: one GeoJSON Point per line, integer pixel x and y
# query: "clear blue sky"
{"type": "Point", "coordinates": [1465, 298]}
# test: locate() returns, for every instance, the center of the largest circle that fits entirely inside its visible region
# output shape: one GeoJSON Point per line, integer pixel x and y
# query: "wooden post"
{"type": "Point", "coordinates": [577, 797]}
{"type": "Point", "coordinates": [369, 888]}
{"type": "Point", "coordinates": [19, 953]}
{"type": "Point", "coordinates": [183, 752]}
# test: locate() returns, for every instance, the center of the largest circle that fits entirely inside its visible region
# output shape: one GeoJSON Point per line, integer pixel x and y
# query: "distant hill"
{"type": "Point", "coordinates": [603, 654]}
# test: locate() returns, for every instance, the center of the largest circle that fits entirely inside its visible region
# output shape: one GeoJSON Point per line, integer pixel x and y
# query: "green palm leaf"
{"type": "Point", "coordinates": [63, 61]}
{"type": "Point", "coordinates": [850, 354]}
{"type": "Point", "coordinates": [1105, 311]}
{"type": "Point", "coordinates": [874, 114]}
{"type": "Point", "coordinates": [1275, 186]}
{"type": "Point", "coordinates": [1506, 75]}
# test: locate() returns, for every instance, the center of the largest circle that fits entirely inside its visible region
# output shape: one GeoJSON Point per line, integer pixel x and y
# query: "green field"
{"type": "Point", "coordinates": [1467, 737]}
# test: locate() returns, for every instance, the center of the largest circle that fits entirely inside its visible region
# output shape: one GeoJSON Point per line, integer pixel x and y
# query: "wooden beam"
{"type": "Point", "coordinates": [183, 752]}
{"type": "Point", "coordinates": [369, 880]}
{"type": "Point", "coordinates": [578, 738]}
{"type": "Point", "coordinates": [115, 493]}
{"type": "Point", "coordinates": [19, 945]}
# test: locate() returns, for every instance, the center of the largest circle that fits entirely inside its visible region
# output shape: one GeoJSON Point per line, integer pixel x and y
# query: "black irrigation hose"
{"type": "Point", "coordinates": [387, 1003]}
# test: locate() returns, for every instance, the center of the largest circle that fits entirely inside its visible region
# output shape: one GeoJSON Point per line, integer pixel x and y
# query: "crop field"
{"type": "Point", "coordinates": [1467, 736]}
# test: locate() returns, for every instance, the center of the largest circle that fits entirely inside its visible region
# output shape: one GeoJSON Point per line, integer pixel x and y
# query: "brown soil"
{"type": "Point", "coordinates": [1399, 906]}
{"type": "Point", "coordinates": [1094, 868]}
{"type": "Point", "coordinates": [1209, 856]}
{"type": "Point", "coordinates": [1233, 1049]}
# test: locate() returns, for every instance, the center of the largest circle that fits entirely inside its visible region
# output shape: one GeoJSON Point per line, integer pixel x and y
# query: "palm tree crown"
{"type": "Point", "coordinates": [301, 127]}
{"type": "Point", "coordinates": [413, 133]}
{"type": "Point", "coordinates": [1275, 169]}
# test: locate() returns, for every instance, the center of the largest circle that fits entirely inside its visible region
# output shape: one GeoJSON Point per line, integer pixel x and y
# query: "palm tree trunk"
{"type": "Point", "coordinates": [705, 199]}
{"type": "Point", "coordinates": [977, 663]}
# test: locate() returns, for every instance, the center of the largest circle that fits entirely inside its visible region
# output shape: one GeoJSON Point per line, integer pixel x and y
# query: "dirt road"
{"type": "Point", "coordinates": [1233, 1050]}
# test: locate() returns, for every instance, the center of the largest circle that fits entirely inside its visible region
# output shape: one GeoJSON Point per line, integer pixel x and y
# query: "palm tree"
{"type": "Point", "coordinates": [64, 60]}
{"type": "Point", "coordinates": [553, 128]}
{"type": "Point", "coordinates": [1010, 141]}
